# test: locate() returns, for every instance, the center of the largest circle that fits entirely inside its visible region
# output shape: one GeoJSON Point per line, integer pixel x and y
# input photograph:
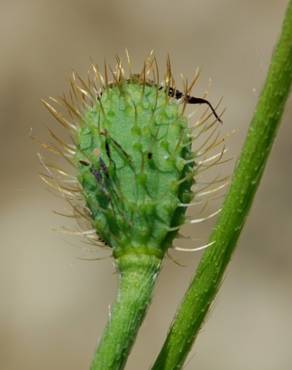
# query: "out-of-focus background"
{"type": "Point", "coordinates": [53, 306]}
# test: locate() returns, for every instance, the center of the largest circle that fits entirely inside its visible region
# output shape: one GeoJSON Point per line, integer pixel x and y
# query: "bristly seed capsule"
{"type": "Point", "coordinates": [133, 155]}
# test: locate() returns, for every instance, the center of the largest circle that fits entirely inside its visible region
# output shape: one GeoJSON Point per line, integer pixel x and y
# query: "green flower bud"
{"type": "Point", "coordinates": [133, 155]}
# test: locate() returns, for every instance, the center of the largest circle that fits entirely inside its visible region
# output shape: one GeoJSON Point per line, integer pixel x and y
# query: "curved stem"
{"type": "Point", "coordinates": [246, 178]}
{"type": "Point", "coordinates": [137, 278]}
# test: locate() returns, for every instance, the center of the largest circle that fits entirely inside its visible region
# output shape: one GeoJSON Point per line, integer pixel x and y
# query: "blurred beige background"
{"type": "Point", "coordinates": [54, 306]}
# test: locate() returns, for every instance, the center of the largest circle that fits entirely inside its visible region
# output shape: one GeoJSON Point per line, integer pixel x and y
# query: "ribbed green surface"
{"type": "Point", "coordinates": [131, 156]}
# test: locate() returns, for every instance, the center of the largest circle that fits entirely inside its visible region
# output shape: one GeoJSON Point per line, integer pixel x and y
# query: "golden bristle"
{"type": "Point", "coordinates": [129, 62]}
{"type": "Point", "coordinates": [71, 108]}
{"type": "Point", "coordinates": [168, 75]}
{"type": "Point", "coordinates": [194, 81]}
{"type": "Point", "coordinates": [58, 116]}
{"type": "Point", "coordinates": [119, 70]}
{"type": "Point", "coordinates": [65, 146]}
{"type": "Point", "coordinates": [106, 74]}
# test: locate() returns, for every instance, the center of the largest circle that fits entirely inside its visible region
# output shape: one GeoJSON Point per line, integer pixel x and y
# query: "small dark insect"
{"type": "Point", "coordinates": [149, 155]}
{"type": "Point", "coordinates": [174, 93]}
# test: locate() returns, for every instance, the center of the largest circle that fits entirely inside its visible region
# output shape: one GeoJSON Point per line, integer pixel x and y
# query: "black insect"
{"type": "Point", "coordinates": [174, 93]}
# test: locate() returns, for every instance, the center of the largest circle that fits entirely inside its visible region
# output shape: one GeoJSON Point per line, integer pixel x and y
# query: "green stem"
{"type": "Point", "coordinates": [137, 278]}
{"type": "Point", "coordinates": [244, 184]}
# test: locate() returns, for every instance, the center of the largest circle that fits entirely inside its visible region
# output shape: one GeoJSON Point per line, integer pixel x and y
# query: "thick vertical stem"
{"type": "Point", "coordinates": [247, 176]}
{"type": "Point", "coordinates": [137, 276]}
